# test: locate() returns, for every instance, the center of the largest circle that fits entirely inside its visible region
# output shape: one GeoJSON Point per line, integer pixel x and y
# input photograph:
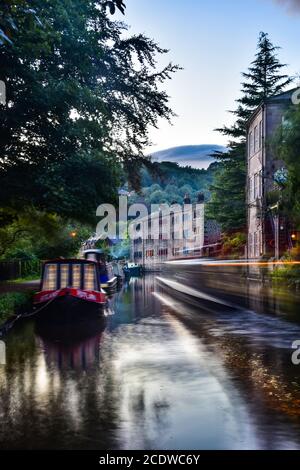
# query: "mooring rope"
{"type": "Point", "coordinates": [4, 329]}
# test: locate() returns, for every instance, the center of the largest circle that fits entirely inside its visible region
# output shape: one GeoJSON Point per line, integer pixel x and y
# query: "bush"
{"type": "Point", "coordinates": [234, 245]}
{"type": "Point", "coordinates": [289, 274]}
{"type": "Point", "coordinates": [11, 303]}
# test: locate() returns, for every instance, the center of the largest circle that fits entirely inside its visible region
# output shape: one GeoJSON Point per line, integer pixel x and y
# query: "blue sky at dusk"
{"type": "Point", "coordinates": [214, 41]}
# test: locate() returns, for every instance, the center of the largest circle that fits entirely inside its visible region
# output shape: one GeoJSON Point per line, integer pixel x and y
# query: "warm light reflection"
{"type": "Point", "coordinates": [42, 378]}
{"type": "Point", "coordinates": [237, 263]}
{"type": "Point", "coordinates": [253, 263]}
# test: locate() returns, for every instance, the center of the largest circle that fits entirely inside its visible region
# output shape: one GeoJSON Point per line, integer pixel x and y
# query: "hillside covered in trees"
{"type": "Point", "coordinates": [170, 182]}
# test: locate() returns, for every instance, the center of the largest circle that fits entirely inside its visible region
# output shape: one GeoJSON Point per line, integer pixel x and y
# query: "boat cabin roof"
{"type": "Point", "coordinates": [132, 265]}
{"type": "Point", "coordinates": [74, 273]}
{"type": "Point", "coordinates": [70, 261]}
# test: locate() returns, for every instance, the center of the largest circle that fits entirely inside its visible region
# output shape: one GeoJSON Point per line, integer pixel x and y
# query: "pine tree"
{"type": "Point", "coordinates": [262, 80]}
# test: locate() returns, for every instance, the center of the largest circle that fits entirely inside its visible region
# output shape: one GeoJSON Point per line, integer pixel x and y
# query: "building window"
{"type": "Point", "coordinates": [251, 188]}
{"type": "Point", "coordinates": [260, 135]}
{"type": "Point", "coordinates": [256, 139]}
{"type": "Point", "coordinates": [260, 184]}
{"type": "Point", "coordinates": [255, 183]}
{"type": "Point", "coordinates": [255, 186]}
{"type": "Point", "coordinates": [175, 251]}
{"type": "Point", "coordinates": [250, 245]}
{"type": "Point", "coordinates": [251, 144]}
{"type": "Point", "coordinates": [256, 244]}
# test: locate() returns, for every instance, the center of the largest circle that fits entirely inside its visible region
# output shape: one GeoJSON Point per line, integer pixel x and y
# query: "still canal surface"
{"type": "Point", "coordinates": [160, 374]}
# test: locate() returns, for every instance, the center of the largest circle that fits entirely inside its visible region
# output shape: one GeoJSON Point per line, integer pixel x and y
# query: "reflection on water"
{"type": "Point", "coordinates": [158, 374]}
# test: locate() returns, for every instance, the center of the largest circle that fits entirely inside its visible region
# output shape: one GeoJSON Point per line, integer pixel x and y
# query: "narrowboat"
{"type": "Point", "coordinates": [70, 288]}
{"type": "Point", "coordinates": [132, 269]}
{"type": "Point", "coordinates": [118, 272]}
{"type": "Point", "coordinates": [107, 278]}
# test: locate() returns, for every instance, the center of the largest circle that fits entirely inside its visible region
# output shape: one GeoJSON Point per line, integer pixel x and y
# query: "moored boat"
{"type": "Point", "coordinates": [132, 269]}
{"type": "Point", "coordinates": [108, 280]}
{"type": "Point", "coordinates": [70, 289]}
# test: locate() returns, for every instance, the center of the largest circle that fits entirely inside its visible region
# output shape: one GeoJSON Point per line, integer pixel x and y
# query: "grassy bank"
{"type": "Point", "coordinates": [13, 302]}
{"type": "Point", "coordinates": [31, 277]}
{"type": "Point", "coordinates": [288, 275]}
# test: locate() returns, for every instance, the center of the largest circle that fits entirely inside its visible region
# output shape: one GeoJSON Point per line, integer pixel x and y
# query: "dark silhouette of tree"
{"type": "Point", "coordinates": [263, 79]}
{"type": "Point", "coordinates": [112, 5]}
{"type": "Point", "coordinates": [80, 100]}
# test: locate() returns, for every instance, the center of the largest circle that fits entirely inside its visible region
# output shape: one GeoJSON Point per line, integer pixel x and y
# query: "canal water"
{"type": "Point", "coordinates": [158, 373]}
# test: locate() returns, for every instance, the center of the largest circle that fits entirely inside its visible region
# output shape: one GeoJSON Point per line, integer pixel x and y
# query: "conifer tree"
{"type": "Point", "coordinates": [263, 79]}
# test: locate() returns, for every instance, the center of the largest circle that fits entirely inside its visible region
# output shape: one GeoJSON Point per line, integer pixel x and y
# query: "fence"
{"type": "Point", "coordinates": [14, 269]}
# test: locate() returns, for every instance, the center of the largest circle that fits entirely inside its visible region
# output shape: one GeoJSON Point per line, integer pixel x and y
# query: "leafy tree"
{"type": "Point", "coordinates": [72, 188]}
{"type": "Point", "coordinates": [10, 9]}
{"type": "Point", "coordinates": [263, 79]}
{"type": "Point", "coordinates": [170, 182]}
{"type": "Point", "coordinates": [157, 197]}
{"type": "Point", "coordinates": [286, 145]}
{"type": "Point", "coordinates": [36, 234]}
{"type": "Point", "coordinates": [9, 13]}
{"type": "Point", "coordinates": [112, 5]}
{"type": "Point", "coordinates": [81, 95]}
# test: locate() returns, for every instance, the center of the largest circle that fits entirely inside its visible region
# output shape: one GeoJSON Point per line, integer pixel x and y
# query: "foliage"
{"type": "Point", "coordinates": [263, 79]}
{"type": "Point", "coordinates": [10, 10]}
{"type": "Point", "coordinates": [112, 5]}
{"type": "Point", "coordinates": [233, 245]}
{"type": "Point", "coordinates": [78, 87]}
{"type": "Point", "coordinates": [11, 303]}
{"type": "Point", "coordinates": [168, 183]}
{"type": "Point", "coordinates": [227, 204]}
{"type": "Point", "coordinates": [286, 145]}
{"type": "Point", "coordinates": [289, 274]}
{"type": "Point", "coordinates": [81, 95]}
{"type": "Point", "coordinates": [40, 235]}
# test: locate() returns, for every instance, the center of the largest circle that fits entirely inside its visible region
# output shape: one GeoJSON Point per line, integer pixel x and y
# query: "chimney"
{"type": "Point", "coordinates": [187, 199]}
{"type": "Point", "coordinates": [200, 198]}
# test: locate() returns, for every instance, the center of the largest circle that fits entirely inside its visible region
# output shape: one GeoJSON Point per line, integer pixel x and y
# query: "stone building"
{"type": "Point", "coordinates": [166, 236]}
{"type": "Point", "coordinates": [269, 234]}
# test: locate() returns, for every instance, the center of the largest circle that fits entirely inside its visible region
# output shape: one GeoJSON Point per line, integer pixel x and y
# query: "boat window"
{"type": "Point", "coordinates": [50, 277]}
{"type": "Point", "coordinates": [89, 277]}
{"type": "Point", "coordinates": [76, 276]}
{"type": "Point", "coordinates": [64, 276]}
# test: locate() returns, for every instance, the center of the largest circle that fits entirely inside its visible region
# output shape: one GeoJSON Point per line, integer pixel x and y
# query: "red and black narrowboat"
{"type": "Point", "coordinates": [70, 288]}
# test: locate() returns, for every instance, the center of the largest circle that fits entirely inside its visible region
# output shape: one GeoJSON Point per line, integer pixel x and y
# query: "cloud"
{"type": "Point", "coordinates": [292, 6]}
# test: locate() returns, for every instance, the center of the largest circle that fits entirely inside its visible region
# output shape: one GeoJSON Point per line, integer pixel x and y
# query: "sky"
{"type": "Point", "coordinates": [214, 41]}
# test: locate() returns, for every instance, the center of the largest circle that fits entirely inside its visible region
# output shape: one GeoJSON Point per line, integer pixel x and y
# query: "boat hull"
{"type": "Point", "coordinates": [110, 285]}
{"type": "Point", "coordinates": [132, 272]}
{"type": "Point", "coordinates": [66, 306]}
